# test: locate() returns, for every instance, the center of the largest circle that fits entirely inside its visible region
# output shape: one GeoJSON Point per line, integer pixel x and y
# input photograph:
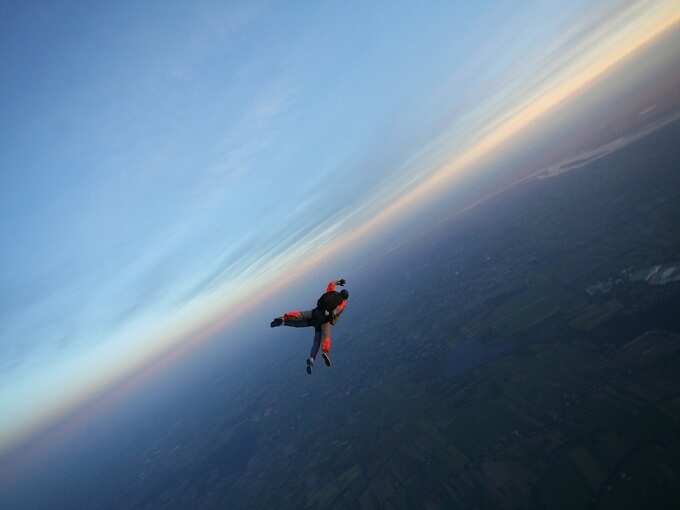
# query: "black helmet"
{"type": "Point", "coordinates": [344, 293]}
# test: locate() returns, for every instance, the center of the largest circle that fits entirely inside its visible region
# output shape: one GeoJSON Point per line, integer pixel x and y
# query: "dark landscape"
{"type": "Point", "coordinates": [514, 358]}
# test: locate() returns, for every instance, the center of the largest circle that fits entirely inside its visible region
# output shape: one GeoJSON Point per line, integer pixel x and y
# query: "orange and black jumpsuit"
{"type": "Point", "coordinates": [319, 320]}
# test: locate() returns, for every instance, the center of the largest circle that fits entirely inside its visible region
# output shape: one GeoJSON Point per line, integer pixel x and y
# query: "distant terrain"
{"type": "Point", "coordinates": [511, 358]}
{"type": "Point", "coordinates": [489, 373]}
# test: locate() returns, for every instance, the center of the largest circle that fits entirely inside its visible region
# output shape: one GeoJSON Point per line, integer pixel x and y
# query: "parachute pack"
{"type": "Point", "coordinates": [329, 301]}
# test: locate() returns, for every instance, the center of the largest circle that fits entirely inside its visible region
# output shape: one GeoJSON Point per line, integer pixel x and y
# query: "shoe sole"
{"type": "Point", "coordinates": [326, 360]}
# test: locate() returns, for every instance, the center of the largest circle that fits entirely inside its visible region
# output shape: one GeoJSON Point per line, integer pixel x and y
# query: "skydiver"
{"type": "Point", "coordinates": [328, 309]}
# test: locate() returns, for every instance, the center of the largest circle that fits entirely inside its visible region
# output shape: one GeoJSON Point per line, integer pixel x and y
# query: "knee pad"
{"type": "Point", "coordinates": [326, 345]}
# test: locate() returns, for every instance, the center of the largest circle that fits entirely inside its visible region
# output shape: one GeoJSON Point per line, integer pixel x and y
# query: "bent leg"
{"type": "Point", "coordinates": [326, 337]}
{"type": "Point", "coordinates": [326, 343]}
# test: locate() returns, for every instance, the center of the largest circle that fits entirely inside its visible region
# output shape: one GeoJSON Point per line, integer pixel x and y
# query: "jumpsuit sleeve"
{"type": "Point", "coordinates": [340, 308]}
{"type": "Point", "coordinates": [338, 311]}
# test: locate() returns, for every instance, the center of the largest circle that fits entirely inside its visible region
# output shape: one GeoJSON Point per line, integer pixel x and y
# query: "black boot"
{"type": "Point", "coordinates": [276, 322]}
{"type": "Point", "coordinates": [310, 364]}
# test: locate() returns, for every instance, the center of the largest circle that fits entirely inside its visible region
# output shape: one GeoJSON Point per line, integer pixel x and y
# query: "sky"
{"type": "Point", "coordinates": [163, 163]}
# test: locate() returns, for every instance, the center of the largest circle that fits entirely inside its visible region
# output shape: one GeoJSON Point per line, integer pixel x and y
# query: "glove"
{"type": "Point", "coordinates": [341, 282]}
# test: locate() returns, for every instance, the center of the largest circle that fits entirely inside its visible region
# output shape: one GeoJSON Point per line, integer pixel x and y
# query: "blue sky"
{"type": "Point", "coordinates": [160, 162]}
